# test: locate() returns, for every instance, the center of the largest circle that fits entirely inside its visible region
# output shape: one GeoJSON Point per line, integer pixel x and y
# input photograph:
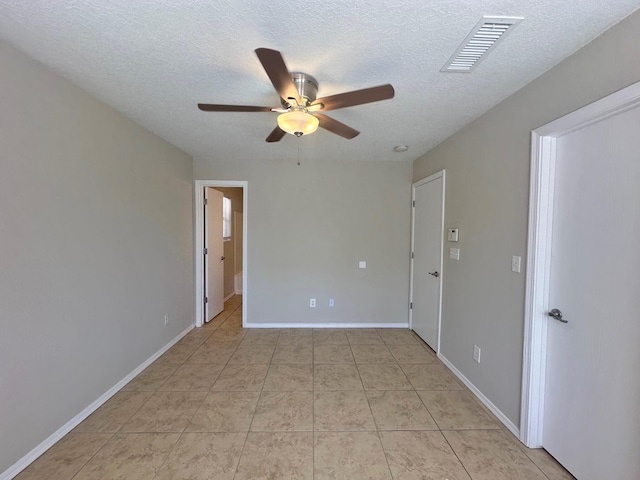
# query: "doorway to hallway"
{"type": "Point", "coordinates": [219, 274]}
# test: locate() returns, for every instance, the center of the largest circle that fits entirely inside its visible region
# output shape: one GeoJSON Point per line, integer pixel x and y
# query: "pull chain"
{"type": "Point", "coordinates": [298, 151]}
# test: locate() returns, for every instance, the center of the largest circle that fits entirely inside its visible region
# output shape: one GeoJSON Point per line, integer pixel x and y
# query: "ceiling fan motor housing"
{"type": "Point", "coordinates": [302, 112]}
{"type": "Point", "coordinates": [307, 87]}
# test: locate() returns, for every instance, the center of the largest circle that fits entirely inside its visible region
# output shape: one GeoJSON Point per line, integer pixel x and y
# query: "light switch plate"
{"type": "Point", "coordinates": [454, 253]}
{"type": "Point", "coordinates": [452, 234]}
{"type": "Point", "coordinates": [476, 353]}
{"type": "Point", "coordinates": [515, 263]}
{"type": "Point", "coordinates": [362, 264]}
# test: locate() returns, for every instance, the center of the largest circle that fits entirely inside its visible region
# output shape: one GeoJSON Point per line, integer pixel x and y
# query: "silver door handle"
{"type": "Point", "coordinates": [435, 274]}
{"type": "Point", "coordinates": [557, 314]}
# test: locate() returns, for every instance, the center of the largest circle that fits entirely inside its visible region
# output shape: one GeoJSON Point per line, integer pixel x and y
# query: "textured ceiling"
{"type": "Point", "coordinates": [154, 60]}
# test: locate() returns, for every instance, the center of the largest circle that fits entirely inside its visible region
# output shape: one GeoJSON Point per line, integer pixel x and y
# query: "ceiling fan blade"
{"type": "Point", "coordinates": [336, 127]}
{"type": "Point", "coordinates": [209, 107]}
{"type": "Point", "coordinates": [276, 69]}
{"type": "Point", "coordinates": [356, 97]}
{"type": "Point", "coordinates": [276, 135]}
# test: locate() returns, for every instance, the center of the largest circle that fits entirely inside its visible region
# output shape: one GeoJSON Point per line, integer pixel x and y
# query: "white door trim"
{"type": "Point", "coordinates": [541, 194]}
{"type": "Point", "coordinates": [199, 244]}
{"type": "Point", "coordinates": [430, 178]}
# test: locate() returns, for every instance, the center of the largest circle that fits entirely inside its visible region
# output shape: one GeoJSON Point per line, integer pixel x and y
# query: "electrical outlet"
{"type": "Point", "coordinates": [331, 302]}
{"type": "Point", "coordinates": [476, 353]}
{"type": "Point", "coordinates": [312, 303]}
{"type": "Point", "coordinates": [166, 319]}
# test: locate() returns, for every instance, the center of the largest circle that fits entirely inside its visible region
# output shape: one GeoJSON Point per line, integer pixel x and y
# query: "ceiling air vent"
{"type": "Point", "coordinates": [487, 33]}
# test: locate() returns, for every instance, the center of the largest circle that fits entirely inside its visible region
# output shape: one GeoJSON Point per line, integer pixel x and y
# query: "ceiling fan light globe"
{"type": "Point", "coordinates": [298, 123]}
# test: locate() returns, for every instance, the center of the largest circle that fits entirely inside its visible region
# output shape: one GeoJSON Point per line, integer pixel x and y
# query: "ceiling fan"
{"type": "Point", "coordinates": [300, 110]}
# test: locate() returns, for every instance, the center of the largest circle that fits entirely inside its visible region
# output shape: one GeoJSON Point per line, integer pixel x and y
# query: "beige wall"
{"type": "Point", "coordinates": [487, 196]}
{"type": "Point", "coordinates": [95, 248]}
{"type": "Point", "coordinates": [309, 225]}
{"type": "Point", "coordinates": [235, 195]}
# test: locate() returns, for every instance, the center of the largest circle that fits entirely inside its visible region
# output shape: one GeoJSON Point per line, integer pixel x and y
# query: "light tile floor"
{"type": "Point", "coordinates": [228, 403]}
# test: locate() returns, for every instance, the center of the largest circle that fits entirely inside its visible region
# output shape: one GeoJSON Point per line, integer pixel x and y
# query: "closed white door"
{"type": "Point", "coordinates": [214, 258]}
{"type": "Point", "coordinates": [592, 384]}
{"type": "Point", "coordinates": [426, 265]}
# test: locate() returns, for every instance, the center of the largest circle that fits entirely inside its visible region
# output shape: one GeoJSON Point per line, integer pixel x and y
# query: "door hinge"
{"type": "Point", "coordinates": [206, 250]}
{"type": "Point", "coordinates": [206, 201]}
{"type": "Point", "coordinates": [414, 203]}
{"type": "Point", "coordinates": [206, 299]}
{"type": "Point", "coordinates": [410, 305]}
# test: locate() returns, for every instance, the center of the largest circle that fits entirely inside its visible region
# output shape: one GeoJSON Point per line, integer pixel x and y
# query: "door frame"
{"type": "Point", "coordinates": [540, 230]}
{"type": "Point", "coordinates": [199, 244]}
{"type": "Point", "coordinates": [430, 178]}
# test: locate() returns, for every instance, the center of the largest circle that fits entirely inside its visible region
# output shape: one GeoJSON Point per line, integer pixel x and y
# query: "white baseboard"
{"type": "Point", "coordinates": [229, 296]}
{"type": "Point", "coordinates": [30, 457]}
{"type": "Point", "coordinates": [487, 403]}
{"type": "Point", "coordinates": [327, 325]}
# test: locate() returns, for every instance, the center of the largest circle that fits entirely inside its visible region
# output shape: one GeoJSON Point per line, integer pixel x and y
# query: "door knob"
{"type": "Point", "coordinates": [222, 258]}
{"type": "Point", "coordinates": [435, 274]}
{"type": "Point", "coordinates": [557, 314]}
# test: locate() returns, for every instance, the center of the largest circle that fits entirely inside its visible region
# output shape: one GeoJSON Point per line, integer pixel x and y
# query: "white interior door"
{"type": "Point", "coordinates": [426, 270]}
{"type": "Point", "coordinates": [592, 385]}
{"type": "Point", "coordinates": [214, 258]}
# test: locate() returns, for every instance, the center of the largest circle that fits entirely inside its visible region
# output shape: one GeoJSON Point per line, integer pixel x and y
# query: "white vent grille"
{"type": "Point", "coordinates": [487, 33]}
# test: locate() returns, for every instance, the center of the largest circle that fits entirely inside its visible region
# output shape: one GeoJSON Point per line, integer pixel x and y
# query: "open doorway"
{"type": "Point", "coordinates": [220, 246]}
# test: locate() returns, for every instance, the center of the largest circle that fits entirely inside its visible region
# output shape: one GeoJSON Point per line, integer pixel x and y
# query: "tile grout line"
{"type": "Point", "coordinates": [314, 432]}
{"type": "Point", "coordinates": [455, 453]}
{"type": "Point", "coordinates": [90, 458]}
{"type": "Point", "coordinates": [119, 431]}
{"type": "Point", "coordinates": [246, 438]}
{"type": "Point", "coordinates": [439, 428]}
{"type": "Point", "coordinates": [181, 434]}
{"type": "Point", "coordinates": [373, 417]}
{"type": "Point", "coordinates": [211, 389]}
{"type": "Point", "coordinates": [313, 405]}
